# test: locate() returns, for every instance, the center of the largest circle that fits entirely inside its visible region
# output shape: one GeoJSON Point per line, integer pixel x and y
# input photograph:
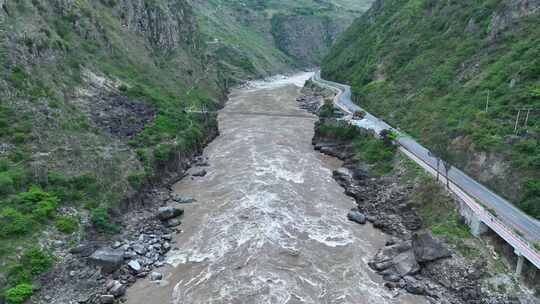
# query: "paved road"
{"type": "Point", "coordinates": [527, 226]}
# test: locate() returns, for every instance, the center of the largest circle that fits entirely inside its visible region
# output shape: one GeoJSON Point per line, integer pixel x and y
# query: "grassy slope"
{"type": "Point", "coordinates": [243, 29]}
{"type": "Point", "coordinates": [60, 168]}
{"type": "Point", "coordinates": [427, 67]}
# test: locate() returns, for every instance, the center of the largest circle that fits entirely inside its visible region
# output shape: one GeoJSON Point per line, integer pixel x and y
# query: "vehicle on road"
{"type": "Point", "coordinates": [357, 115]}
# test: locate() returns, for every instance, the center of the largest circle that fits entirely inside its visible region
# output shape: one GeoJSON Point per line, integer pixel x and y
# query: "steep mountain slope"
{"type": "Point", "coordinates": [253, 38]}
{"type": "Point", "coordinates": [432, 68]}
{"type": "Point", "coordinates": [91, 100]}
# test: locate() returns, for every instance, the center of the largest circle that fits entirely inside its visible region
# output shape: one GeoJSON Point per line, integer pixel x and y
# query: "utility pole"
{"type": "Point", "coordinates": [487, 101]}
{"type": "Point", "coordinates": [527, 117]}
{"type": "Point", "coordinates": [517, 120]}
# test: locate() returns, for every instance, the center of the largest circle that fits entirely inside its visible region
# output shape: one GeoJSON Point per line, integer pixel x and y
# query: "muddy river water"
{"type": "Point", "coordinates": [269, 224]}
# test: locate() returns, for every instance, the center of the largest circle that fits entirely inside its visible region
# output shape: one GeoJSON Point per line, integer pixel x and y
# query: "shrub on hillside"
{"type": "Point", "coordinates": [37, 261]}
{"type": "Point", "coordinates": [67, 224]}
{"type": "Point", "coordinates": [102, 221]}
{"type": "Point", "coordinates": [34, 262]}
{"type": "Point", "coordinates": [6, 184]}
{"type": "Point", "coordinates": [136, 180]}
{"type": "Point", "coordinates": [42, 205]}
{"type": "Point", "coordinates": [12, 223]}
{"type": "Point", "coordinates": [342, 132]}
{"type": "Point", "coordinates": [19, 294]}
{"type": "Point", "coordinates": [327, 110]}
{"type": "Point", "coordinates": [531, 200]}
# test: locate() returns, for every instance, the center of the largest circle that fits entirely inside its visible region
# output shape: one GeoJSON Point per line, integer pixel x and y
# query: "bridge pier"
{"type": "Point", "coordinates": [519, 266]}
{"type": "Point", "coordinates": [477, 226]}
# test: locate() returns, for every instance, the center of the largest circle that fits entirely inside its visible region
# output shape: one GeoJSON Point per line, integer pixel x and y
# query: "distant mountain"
{"type": "Point", "coordinates": [254, 38]}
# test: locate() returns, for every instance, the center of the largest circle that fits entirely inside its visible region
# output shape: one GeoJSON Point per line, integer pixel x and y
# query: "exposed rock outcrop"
{"type": "Point", "coordinates": [305, 38]}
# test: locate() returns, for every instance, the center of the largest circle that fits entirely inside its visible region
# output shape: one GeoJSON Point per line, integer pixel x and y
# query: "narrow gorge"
{"type": "Point", "coordinates": [193, 151]}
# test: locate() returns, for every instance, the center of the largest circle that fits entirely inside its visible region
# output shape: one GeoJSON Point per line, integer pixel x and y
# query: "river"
{"type": "Point", "coordinates": [269, 224]}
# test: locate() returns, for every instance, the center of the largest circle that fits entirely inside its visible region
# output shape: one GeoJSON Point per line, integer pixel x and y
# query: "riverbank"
{"type": "Point", "coordinates": [100, 267]}
{"type": "Point", "coordinates": [431, 252]}
{"type": "Point", "coordinates": [268, 224]}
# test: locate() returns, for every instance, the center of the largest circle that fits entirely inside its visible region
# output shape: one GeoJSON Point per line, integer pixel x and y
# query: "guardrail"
{"type": "Point", "coordinates": [520, 245]}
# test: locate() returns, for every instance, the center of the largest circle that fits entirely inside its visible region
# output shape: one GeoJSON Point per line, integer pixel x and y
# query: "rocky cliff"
{"type": "Point", "coordinates": [307, 39]}
{"type": "Point", "coordinates": [258, 38]}
{"type": "Point", "coordinates": [460, 77]}
{"type": "Point", "coordinates": [92, 94]}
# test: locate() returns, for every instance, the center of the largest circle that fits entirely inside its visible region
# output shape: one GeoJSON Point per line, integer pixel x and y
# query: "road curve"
{"type": "Point", "coordinates": [516, 219]}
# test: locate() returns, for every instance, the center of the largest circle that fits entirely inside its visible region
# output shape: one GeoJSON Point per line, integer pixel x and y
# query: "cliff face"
{"type": "Point", "coordinates": [307, 39]}
{"type": "Point", "coordinates": [167, 26]}
{"type": "Point", "coordinates": [455, 75]}
{"type": "Point", "coordinates": [91, 100]}
{"type": "Point", "coordinates": [258, 38]}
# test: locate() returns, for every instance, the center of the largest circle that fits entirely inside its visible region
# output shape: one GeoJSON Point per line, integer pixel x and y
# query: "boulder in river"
{"type": "Point", "coordinates": [172, 222]}
{"type": "Point", "coordinates": [155, 276]}
{"type": "Point", "coordinates": [357, 217]}
{"type": "Point", "coordinates": [183, 199]}
{"type": "Point", "coordinates": [108, 259]}
{"type": "Point", "coordinates": [427, 249]}
{"type": "Point", "coordinates": [199, 173]}
{"type": "Point", "coordinates": [166, 213]}
{"type": "Point", "coordinates": [117, 289]}
{"type": "Point", "coordinates": [405, 264]}
{"type": "Point", "coordinates": [414, 286]}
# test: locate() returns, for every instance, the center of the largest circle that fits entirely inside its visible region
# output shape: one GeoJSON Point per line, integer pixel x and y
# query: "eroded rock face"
{"type": "Point", "coordinates": [510, 12]}
{"type": "Point", "coordinates": [119, 115]}
{"type": "Point", "coordinates": [166, 27]}
{"type": "Point", "coordinates": [306, 38]}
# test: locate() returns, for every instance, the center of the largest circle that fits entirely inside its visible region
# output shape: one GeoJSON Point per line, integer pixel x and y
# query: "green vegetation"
{"type": "Point", "coordinates": [327, 110]}
{"type": "Point", "coordinates": [375, 152]}
{"type": "Point", "coordinates": [102, 221]}
{"type": "Point", "coordinates": [379, 153]}
{"type": "Point", "coordinates": [67, 224]}
{"type": "Point", "coordinates": [19, 294]}
{"type": "Point", "coordinates": [34, 262]}
{"type": "Point", "coordinates": [437, 209]}
{"type": "Point", "coordinates": [53, 153]}
{"type": "Point", "coordinates": [238, 31]}
{"type": "Point", "coordinates": [343, 132]}
{"type": "Point", "coordinates": [431, 68]}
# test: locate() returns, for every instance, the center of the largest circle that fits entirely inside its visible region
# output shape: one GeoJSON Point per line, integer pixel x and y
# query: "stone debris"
{"type": "Point", "coordinates": [167, 213]}
{"type": "Point", "coordinates": [357, 217]}
{"type": "Point", "coordinates": [100, 273]}
{"type": "Point", "coordinates": [182, 199]}
{"type": "Point", "coordinates": [135, 266]}
{"type": "Point", "coordinates": [199, 173]}
{"type": "Point", "coordinates": [108, 259]}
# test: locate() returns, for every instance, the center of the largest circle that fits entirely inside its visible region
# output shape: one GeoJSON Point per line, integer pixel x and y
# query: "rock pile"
{"type": "Point", "coordinates": [135, 257]}
{"type": "Point", "coordinates": [100, 273]}
{"type": "Point", "coordinates": [400, 263]}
